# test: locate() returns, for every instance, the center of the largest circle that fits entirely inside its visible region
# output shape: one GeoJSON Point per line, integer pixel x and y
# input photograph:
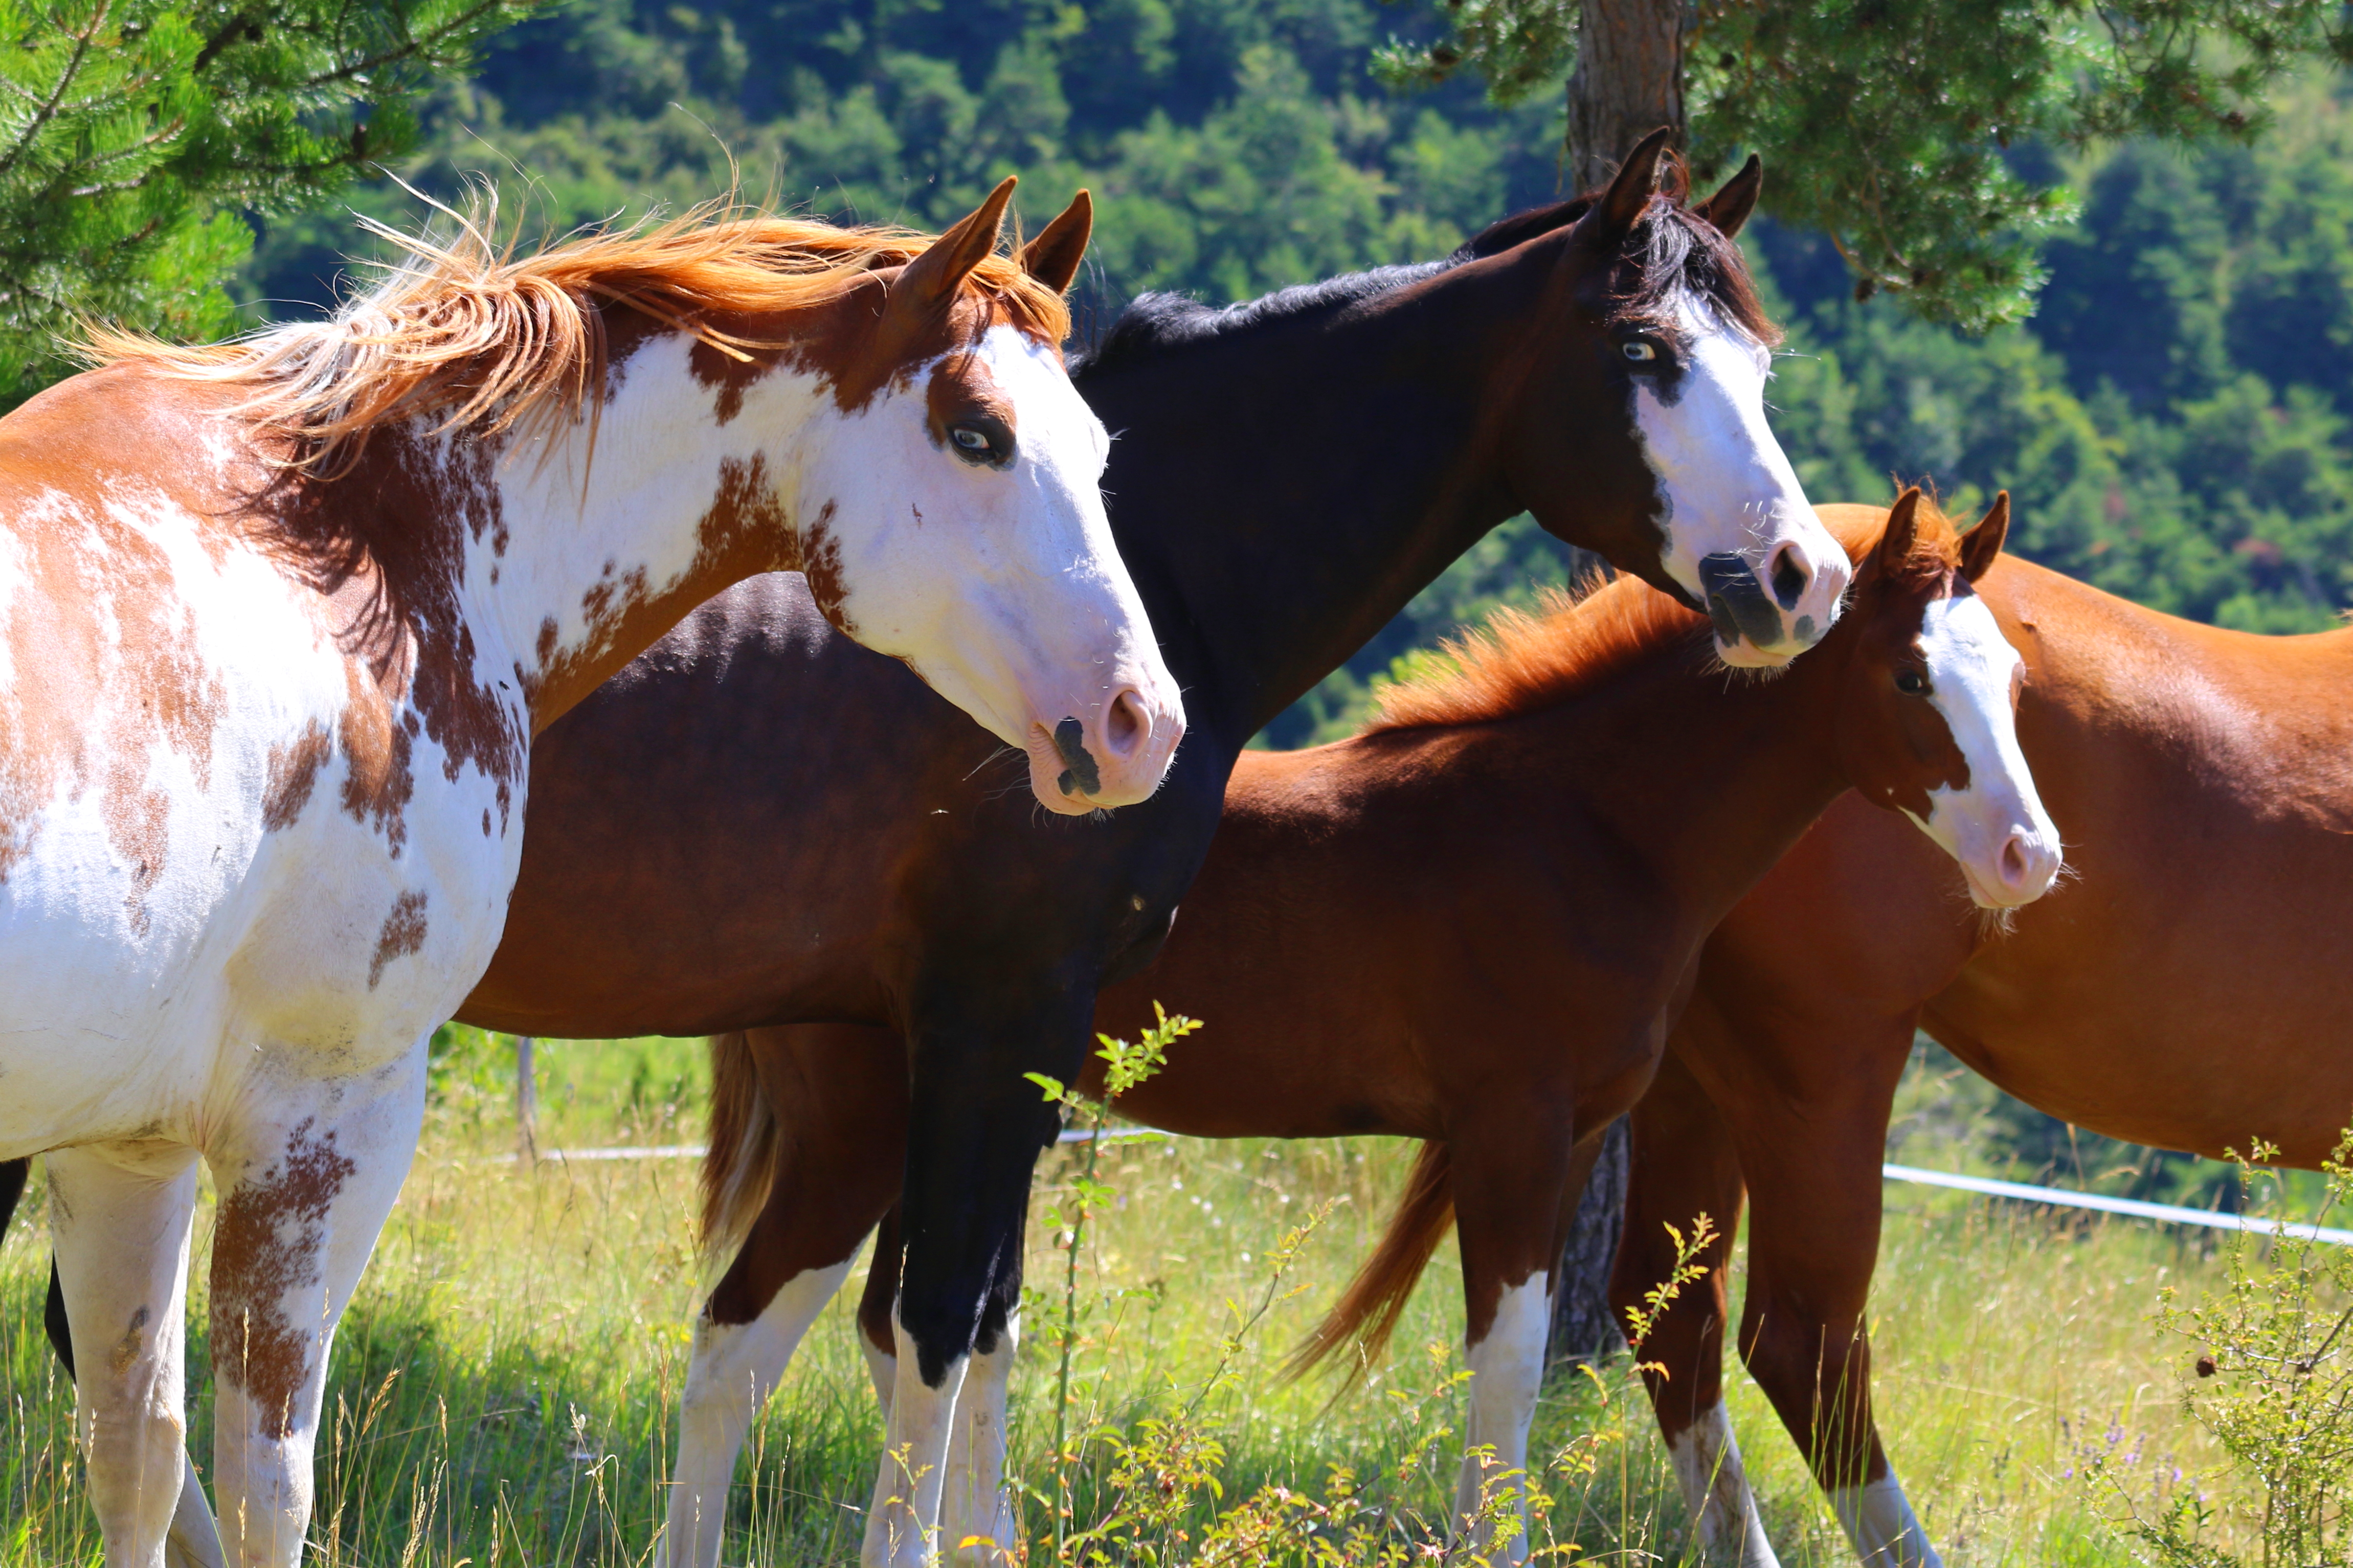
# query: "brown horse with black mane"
{"type": "Point", "coordinates": [2186, 988]}
{"type": "Point", "coordinates": [1471, 924]}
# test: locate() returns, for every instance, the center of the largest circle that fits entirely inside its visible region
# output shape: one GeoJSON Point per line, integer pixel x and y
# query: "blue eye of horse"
{"type": "Point", "coordinates": [982, 441]}
{"type": "Point", "coordinates": [1641, 352]}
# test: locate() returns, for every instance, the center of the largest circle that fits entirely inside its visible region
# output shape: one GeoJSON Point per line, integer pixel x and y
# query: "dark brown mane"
{"type": "Point", "coordinates": [1519, 662]}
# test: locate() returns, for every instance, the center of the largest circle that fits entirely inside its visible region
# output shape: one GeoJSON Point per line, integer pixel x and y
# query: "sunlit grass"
{"type": "Point", "coordinates": [505, 1385]}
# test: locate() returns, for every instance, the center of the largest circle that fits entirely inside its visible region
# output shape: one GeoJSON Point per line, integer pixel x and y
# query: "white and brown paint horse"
{"type": "Point", "coordinates": [278, 619]}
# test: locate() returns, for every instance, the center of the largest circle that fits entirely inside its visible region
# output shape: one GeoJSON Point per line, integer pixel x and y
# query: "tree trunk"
{"type": "Point", "coordinates": [1584, 1329]}
{"type": "Point", "coordinates": [1629, 81]}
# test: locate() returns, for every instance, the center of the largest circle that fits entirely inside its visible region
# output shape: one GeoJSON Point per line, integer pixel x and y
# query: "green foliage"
{"type": "Point", "coordinates": [1233, 146]}
{"type": "Point", "coordinates": [133, 136]}
{"type": "Point", "coordinates": [2272, 1382]}
{"type": "Point", "coordinates": [1892, 127]}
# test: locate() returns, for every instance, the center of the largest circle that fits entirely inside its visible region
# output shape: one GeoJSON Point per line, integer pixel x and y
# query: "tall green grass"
{"type": "Point", "coordinates": [506, 1381]}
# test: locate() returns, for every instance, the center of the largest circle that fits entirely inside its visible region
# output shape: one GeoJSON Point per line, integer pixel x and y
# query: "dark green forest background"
{"type": "Point", "coordinates": [2172, 422]}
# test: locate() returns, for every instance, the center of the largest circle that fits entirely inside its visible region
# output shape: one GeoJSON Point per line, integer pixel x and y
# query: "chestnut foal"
{"type": "Point", "coordinates": [2181, 990]}
{"type": "Point", "coordinates": [1391, 934]}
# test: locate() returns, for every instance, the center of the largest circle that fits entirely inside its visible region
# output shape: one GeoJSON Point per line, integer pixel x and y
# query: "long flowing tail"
{"type": "Point", "coordinates": [1367, 1314]}
{"type": "Point", "coordinates": [746, 1147]}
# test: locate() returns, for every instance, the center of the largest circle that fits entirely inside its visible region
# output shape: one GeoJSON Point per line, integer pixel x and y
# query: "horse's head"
{"type": "Point", "coordinates": [1928, 718]}
{"type": "Point", "coordinates": [1652, 335]}
{"type": "Point", "coordinates": [960, 528]}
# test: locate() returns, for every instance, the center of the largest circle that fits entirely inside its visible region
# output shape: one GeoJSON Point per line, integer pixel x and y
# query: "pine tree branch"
{"type": "Point", "coordinates": [414, 48]}
{"type": "Point", "coordinates": [41, 116]}
{"type": "Point", "coordinates": [237, 25]}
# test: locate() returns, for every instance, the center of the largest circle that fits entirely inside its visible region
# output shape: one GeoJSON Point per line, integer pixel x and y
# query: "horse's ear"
{"type": "Point", "coordinates": [1980, 545]}
{"type": "Point", "coordinates": [1902, 523]}
{"type": "Point", "coordinates": [1053, 257]}
{"type": "Point", "coordinates": [1621, 207]}
{"type": "Point", "coordinates": [932, 280]}
{"type": "Point", "coordinates": [1730, 207]}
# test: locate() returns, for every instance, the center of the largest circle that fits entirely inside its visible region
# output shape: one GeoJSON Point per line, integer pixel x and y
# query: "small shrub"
{"type": "Point", "coordinates": [2270, 1375]}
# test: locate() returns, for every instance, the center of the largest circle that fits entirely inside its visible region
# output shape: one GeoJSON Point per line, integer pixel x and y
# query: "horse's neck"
{"type": "Point", "coordinates": [1716, 775]}
{"type": "Point", "coordinates": [1284, 491]}
{"type": "Point", "coordinates": [586, 547]}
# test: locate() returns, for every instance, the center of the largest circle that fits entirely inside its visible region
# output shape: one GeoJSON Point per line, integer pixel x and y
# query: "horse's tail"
{"type": "Point", "coordinates": [746, 1145]}
{"type": "Point", "coordinates": [1367, 1314]}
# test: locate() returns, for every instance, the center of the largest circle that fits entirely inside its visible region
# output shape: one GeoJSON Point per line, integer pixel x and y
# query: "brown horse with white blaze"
{"type": "Point", "coordinates": [2187, 987]}
{"type": "Point", "coordinates": [1393, 934]}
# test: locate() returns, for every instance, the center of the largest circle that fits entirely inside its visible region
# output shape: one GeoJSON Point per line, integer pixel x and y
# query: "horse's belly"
{"type": "Point", "coordinates": [2165, 1024]}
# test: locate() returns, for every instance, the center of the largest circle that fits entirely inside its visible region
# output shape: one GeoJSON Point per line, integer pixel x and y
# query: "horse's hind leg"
{"type": "Point", "coordinates": [840, 1091]}
{"type": "Point", "coordinates": [1813, 1239]}
{"type": "Point", "coordinates": [1684, 1164]}
{"type": "Point", "coordinates": [120, 1215]}
{"type": "Point", "coordinates": [308, 1174]}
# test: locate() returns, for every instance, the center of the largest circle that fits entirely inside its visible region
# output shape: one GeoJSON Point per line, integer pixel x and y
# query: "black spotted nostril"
{"type": "Point", "coordinates": [1788, 578]}
{"type": "Point", "coordinates": [1070, 744]}
{"type": "Point", "coordinates": [1737, 601]}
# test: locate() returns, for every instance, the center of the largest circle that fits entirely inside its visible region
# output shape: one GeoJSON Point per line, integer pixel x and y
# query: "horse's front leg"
{"type": "Point", "coordinates": [1513, 1173]}
{"type": "Point", "coordinates": [1682, 1164]}
{"type": "Point", "coordinates": [974, 1507]}
{"type": "Point", "coordinates": [120, 1215]}
{"type": "Point", "coordinates": [308, 1173]}
{"type": "Point", "coordinates": [976, 1128]}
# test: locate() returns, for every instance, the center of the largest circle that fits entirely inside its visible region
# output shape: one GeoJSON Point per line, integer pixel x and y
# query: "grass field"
{"type": "Point", "coordinates": [505, 1384]}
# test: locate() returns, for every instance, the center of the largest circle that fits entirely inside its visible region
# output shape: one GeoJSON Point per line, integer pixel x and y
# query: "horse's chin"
{"type": "Point", "coordinates": [1985, 901]}
{"type": "Point", "coordinates": [1746, 655]}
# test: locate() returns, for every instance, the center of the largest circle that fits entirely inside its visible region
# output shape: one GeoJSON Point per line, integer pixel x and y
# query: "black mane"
{"type": "Point", "coordinates": [1156, 322]}
{"type": "Point", "coordinates": [1680, 251]}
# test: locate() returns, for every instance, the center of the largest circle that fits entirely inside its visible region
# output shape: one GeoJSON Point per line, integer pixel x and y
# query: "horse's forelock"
{"type": "Point", "coordinates": [1673, 252]}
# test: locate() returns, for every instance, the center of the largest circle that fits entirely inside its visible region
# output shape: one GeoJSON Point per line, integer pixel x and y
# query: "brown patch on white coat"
{"type": "Point", "coordinates": [265, 1249]}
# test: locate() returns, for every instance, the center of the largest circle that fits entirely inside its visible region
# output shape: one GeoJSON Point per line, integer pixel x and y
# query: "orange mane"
{"type": "Point", "coordinates": [1518, 662]}
{"type": "Point", "coordinates": [469, 335]}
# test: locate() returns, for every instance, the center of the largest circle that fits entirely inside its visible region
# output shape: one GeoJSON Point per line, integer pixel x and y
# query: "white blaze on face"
{"type": "Point", "coordinates": [1995, 826]}
{"type": "Point", "coordinates": [1741, 537]}
{"type": "Point", "coordinates": [999, 582]}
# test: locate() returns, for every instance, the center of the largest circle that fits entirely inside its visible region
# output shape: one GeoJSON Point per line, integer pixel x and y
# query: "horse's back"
{"type": "Point", "coordinates": [2188, 987]}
